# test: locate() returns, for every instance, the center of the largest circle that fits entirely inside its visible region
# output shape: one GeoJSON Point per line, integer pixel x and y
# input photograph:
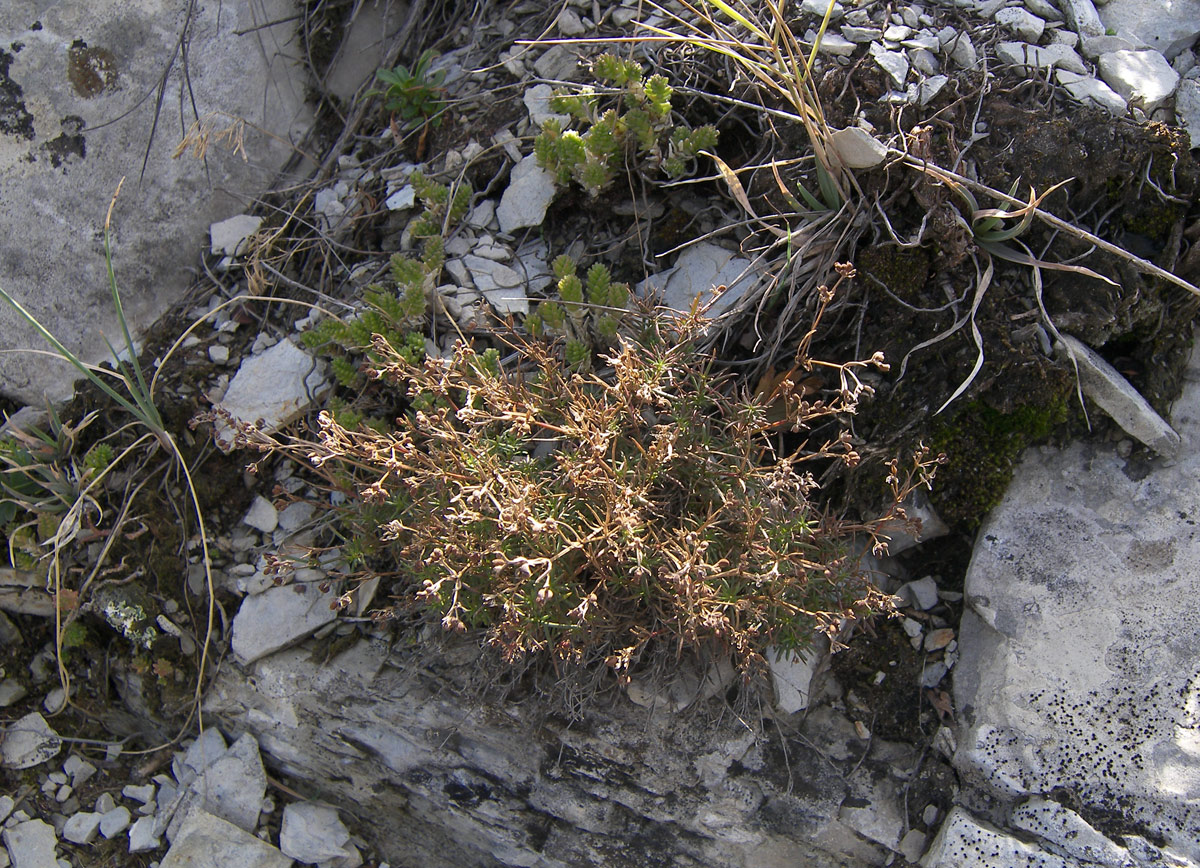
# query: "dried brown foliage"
{"type": "Point", "coordinates": [595, 516]}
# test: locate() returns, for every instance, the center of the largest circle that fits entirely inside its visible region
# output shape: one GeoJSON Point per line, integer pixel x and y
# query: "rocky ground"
{"type": "Point", "coordinates": [101, 750]}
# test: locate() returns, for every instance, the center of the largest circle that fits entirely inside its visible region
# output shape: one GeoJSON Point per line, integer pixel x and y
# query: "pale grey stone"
{"type": "Point", "coordinates": [925, 40]}
{"type": "Point", "coordinates": [370, 33]}
{"type": "Point", "coordinates": [482, 214]}
{"type": "Point", "coordinates": [835, 44]}
{"type": "Point", "coordinates": [1023, 23]}
{"type": "Point", "coordinates": [933, 673]}
{"type": "Point", "coordinates": [930, 88]}
{"type": "Point", "coordinates": [921, 594]}
{"type": "Point", "coordinates": [82, 828]}
{"type": "Point", "coordinates": [896, 33]}
{"type": "Point", "coordinates": [1067, 832]}
{"type": "Point", "coordinates": [262, 515]}
{"type": "Point", "coordinates": [313, 832]}
{"type": "Point", "coordinates": [483, 270]}
{"type": "Point", "coordinates": [79, 770]}
{"type": "Point", "coordinates": [699, 272]}
{"type": "Point", "coordinates": [964, 840]}
{"type": "Point", "coordinates": [205, 841]}
{"type": "Point", "coordinates": [912, 845]}
{"type": "Point", "coordinates": [508, 301]}
{"type": "Point", "coordinates": [873, 810]}
{"type": "Point", "coordinates": [792, 675]}
{"type": "Point", "coordinates": [28, 742]}
{"type": "Point", "coordinates": [1142, 77]}
{"type": "Point", "coordinates": [218, 353]}
{"type": "Point", "coordinates": [537, 103]}
{"type": "Point", "coordinates": [529, 193]}
{"type": "Point", "coordinates": [924, 62]}
{"type": "Point", "coordinates": [232, 788]}
{"type": "Point", "coordinates": [227, 237]}
{"type": "Point", "coordinates": [960, 47]}
{"type": "Point", "coordinates": [295, 515]}
{"type": "Point", "coordinates": [557, 63]}
{"type": "Point", "coordinates": [1062, 36]}
{"type": "Point", "coordinates": [273, 387]}
{"type": "Point", "coordinates": [1091, 91]}
{"type": "Point", "coordinates": [277, 618]}
{"type": "Point", "coordinates": [1102, 383]}
{"type": "Point", "coordinates": [31, 844]}
{"type": "Point", "coordinates": [105, 803]}
{"type": "Point", "coordinates": [201, 754]}
{"type": "Point", "coordinates": [1044, 9]}
{"type": "Point", "coordinates": [1094, 46]}
{"type": "Point", "coordinates": [143, 793]}
{"type": "Point", "coordinates": [1041, 56]}
{"type": "Point", "coordinates": [1187, 108]}
{"type": "Point", "coordinates": [143, 836]}
{"type": "Point", "coordinates": [857, 149]}
{"type": "Point", "coordinates": [894, 63]}
{"type": "Point", "coordinates": [363, 727]}
{"type": "Point", "coordinates": [11, 691]}
{"type": "Point", "coordinates": [402, 199]}
{"type": "Point", "coordinates": [860, 34]}
{"type": "Point", "coordinates": [1082, 16]}
{"type": "Point", "coordinates": [1168, 26]}
{"type": "Point", "coordinates": [115, 821]}
{"type": "Point", "coordinates": [569, 23]}
{"type": "Point", "coordinates": [819, 7]}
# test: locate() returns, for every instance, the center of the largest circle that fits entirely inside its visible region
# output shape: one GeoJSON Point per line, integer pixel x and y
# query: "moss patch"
{"type": "Point", "coordinates": [982, 445]}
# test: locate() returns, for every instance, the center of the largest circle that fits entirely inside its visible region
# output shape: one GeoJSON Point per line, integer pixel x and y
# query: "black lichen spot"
{"type": "Point", "coordinates": [69, 143]}
{"type": "Point", "coordinates": [91, 71]}
{"type": "Point", "coordinates": [466, 795]}
{"type": "Point", "coordinates": [15, 119]}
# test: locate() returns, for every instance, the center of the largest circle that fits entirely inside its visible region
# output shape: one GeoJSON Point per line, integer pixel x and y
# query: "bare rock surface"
{"type": "Point", "coordinates": [1169, 26]}
{"type": "Point", "coordinates": [28, 742]}
{"type": "Point", "coordinates": [441, 780]}
{"type": "Point", "coordinates": [31, 844]}
{"type": "Point", "coordinates": [1078, 671]}
{"type": "Point", "coordinates": [205, 841]}
{"type": "Point", "coordinates": [75, 79]}
{"type": "Point", "coordinates": [273, 387]}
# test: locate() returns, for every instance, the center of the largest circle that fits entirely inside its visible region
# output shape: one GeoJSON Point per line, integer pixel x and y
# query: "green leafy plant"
{"type": "Point", "coordinates": [416, 94]}
{"type": "Point", "coordinates": [396, 313]}
{"type": "Point", "coordinates": [592, 518]}
{"type": "Point", "coordinates": [41, 479]}
{"type": "Point", "coordinates": [588, 313]}
{"type": "Point", "coordinates": [632, 123]}
{"type": "Point", "coordinates": [445, 207]}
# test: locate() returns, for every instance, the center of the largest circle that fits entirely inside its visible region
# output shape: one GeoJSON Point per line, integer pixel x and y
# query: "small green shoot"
{"type": "Point", "coordinates": [413, 95]}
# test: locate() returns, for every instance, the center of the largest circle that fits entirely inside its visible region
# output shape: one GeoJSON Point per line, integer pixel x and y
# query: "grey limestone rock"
{"type": "Point", "coordinates": [1078, 651]}
{"type": "Point", "coordinates": [442, 780]}
{"type": "Point", "coordinates": [77, 119]}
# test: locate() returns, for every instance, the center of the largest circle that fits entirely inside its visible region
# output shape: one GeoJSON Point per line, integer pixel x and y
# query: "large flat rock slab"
{"type": "Point", "coordinates": [1080, 667]}
{"type": "Point", "coordinates": [78, 93]}
{"type": "Point", "coordinates": [443, 776]}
